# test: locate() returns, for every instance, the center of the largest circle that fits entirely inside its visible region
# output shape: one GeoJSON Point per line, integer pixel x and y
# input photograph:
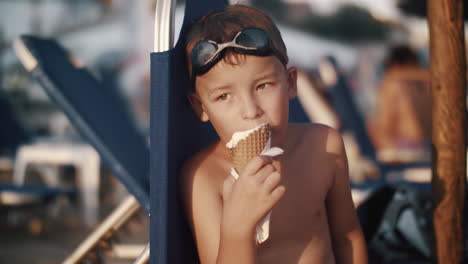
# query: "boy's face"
{"type": "Point", "coordinates": [244, 94]}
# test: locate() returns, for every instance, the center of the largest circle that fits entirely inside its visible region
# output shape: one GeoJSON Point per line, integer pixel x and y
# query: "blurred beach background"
{"type": "Point", "coordinates": [113, 38]}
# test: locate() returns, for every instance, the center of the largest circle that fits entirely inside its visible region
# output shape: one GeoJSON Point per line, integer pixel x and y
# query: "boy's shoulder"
{"type": "Point", "coordinates": [317, 136]}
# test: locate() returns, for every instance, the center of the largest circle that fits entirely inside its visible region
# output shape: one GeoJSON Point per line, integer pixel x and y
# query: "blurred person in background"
{"type": "Point", "coordinates": [401, 125]}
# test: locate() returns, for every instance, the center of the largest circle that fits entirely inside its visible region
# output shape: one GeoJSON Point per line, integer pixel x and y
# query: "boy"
{"type": "Point", "coordinates": [237, 62]}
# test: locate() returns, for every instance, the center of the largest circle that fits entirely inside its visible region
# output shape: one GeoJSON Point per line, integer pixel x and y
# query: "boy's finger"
{"type": "Point", "coordinates": [264, 172]}
{"type": "Point", "coordinates": [272, 181]}
{"type": "Point", "coordinates": [277, 194]}
{"type": "Point", "coordinates": [256, 164]}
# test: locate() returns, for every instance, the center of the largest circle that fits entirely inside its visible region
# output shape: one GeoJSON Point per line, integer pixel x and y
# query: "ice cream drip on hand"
{"type": "Point", "coordinates": [244, 146]}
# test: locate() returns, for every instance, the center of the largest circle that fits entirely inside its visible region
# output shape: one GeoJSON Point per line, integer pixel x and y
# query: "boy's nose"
{"type": "Point", "coordinates": [250, 109]}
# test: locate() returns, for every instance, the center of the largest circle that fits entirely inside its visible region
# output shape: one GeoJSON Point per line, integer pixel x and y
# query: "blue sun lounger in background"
{"type": "Point", "coordinates": [100, 118]}
{"type": "Point", "coordinates": [12, 135]}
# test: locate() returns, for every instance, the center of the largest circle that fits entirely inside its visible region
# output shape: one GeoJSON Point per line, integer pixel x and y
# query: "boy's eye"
{"type": "Point", "coordinates": [223, 97]}
{"type": "Point", "coordinates": [262, 86]}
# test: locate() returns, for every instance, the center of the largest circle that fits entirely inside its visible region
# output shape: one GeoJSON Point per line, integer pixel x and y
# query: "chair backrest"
{"type": "Point", "coordinates": [94, 111]}
{"type": "Point", "coordinates": [176, 133]}
{"type": "Point", "coordinates": [348, 112]}
{"type": "Point", "coordinates": [297, 113]}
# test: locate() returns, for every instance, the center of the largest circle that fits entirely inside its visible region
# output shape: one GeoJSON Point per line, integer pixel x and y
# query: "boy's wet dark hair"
{"type": "Point", "coordinates": [223, 24]}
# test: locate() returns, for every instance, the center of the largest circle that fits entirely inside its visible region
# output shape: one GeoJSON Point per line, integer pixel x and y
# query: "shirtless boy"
{"type": "Point", "coordinates": [238, 87]}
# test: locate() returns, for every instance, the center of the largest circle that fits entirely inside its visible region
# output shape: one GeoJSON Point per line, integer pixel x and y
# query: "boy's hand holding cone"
{"type": "Point", "coordinates": [244, 146]}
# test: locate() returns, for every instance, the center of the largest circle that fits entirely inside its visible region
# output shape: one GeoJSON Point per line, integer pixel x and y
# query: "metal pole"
{"type": "Point", "coordinates": [448, 73]}
{"type": "Point", "coordinates": [164, 18]}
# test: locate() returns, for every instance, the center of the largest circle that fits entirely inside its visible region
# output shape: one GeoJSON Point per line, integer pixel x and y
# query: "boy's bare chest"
{"type": "Point", "coordinates": [301, 212]}
{"type": "Point", "coordinates": [299, 227]}
{"type": "Point", "coordinates": [299, 222]}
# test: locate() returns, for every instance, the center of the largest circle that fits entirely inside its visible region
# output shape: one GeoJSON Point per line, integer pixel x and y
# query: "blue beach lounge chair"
{"type": "Point", "coordinates": [176, 133]}
{"type": "Point", "coordinates": [13, 134]}
{"type": "Point", "coordinates": [99, 116]}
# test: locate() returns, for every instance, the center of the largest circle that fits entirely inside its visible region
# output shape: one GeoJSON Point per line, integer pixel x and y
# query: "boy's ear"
{"type": "Point", "coordinates": [197, 106]}
{"type": "Point", "coordinates": [292, 82]}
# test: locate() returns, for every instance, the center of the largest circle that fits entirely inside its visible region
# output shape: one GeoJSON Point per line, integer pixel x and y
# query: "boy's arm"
{"type": "Point", "coordinates": [348, 241]}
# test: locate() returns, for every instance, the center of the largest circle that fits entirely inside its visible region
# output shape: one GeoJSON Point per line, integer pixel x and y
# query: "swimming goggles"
{"type": "Point", "coordinates": [207, 53]}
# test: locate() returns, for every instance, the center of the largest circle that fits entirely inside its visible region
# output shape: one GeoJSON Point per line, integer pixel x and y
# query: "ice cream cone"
{"type": "Point", "coordinates": [250, 145]}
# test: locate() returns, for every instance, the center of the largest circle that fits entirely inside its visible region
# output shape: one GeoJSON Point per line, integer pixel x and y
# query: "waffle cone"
{"type": "Point", "coordinates": [249, 147]}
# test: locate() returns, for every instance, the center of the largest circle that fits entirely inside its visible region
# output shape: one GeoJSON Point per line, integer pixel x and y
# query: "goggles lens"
{"type": "Point", "coordinates": [203, 52]}
{"type": "Point", "coordinates": [253, 38]}
{"type": "Point", "coordinates": [207, 53]}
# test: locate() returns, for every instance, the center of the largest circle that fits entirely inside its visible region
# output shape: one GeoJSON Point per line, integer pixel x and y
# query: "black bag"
{"type": "Point", "coordinates": [397, 224]}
